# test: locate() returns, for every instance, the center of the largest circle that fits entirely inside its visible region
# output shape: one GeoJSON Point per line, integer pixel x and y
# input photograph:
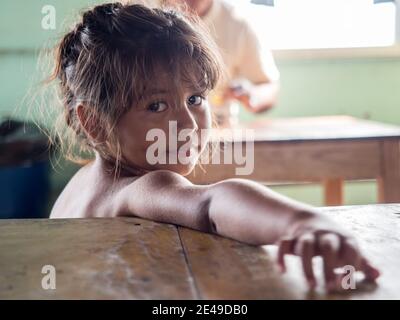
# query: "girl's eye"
{"type": "Point", "coordinates": [195, 100]}
{"type": "Point", "coordinates": [157, 107]}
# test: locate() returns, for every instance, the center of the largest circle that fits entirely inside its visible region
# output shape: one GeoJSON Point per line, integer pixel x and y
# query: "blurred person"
{"type": "Point", "coordinates": [252, 76]}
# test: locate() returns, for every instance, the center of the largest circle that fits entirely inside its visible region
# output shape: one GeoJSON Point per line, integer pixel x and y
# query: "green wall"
{"type": "Point", "coordinates": [366, 88]}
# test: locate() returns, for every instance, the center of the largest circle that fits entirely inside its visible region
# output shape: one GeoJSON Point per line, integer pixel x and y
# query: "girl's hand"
{"type": "Point", "coordinates": [321, 237]}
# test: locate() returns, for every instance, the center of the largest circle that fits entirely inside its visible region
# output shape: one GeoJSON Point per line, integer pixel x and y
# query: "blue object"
{"type": "Point", "coordinates": [24, 190]}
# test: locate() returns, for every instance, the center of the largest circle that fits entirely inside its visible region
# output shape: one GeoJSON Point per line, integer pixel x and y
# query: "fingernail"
{"type": "Point", "coordinates": [374, 273]}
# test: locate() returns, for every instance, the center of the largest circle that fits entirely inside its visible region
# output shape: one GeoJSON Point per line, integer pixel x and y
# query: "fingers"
{"type": "Point", "coordinates": [370, 272]}
{"type": "Point", "coordinates": [329, 245]}
{"type": "Point", "coordinates": [336, 251]}
{"type": "Point", "coordinates": [228, 94]}
{"type": "Point", "coordinates": [351, 255]}
{"type": "Point", "coordinates": [305, 248]}
{"type": "Point", "coordinates": [286, 246]}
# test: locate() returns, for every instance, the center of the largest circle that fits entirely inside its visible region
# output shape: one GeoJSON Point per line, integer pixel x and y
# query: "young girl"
{"type": "Point", "coordinates": [126, 69]}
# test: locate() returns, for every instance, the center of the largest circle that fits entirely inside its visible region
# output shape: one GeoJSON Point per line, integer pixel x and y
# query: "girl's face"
{"type": "Point", "coordinates": [165, 129]}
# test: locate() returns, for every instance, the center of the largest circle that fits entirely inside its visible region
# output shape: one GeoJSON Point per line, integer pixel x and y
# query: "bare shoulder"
{"type": "Point", "coordinates": [159, 179]}
{"type": "Point", "coordinates": [90, 194]}
{"type": "Point", "coordinates": [67, 203]}
{"type": "Point", "coordinates": [85, 195]}
{"type": "Point", "coordinates": [159, 195]}
{"type": "Point", "coordinates": [151, 185]}
{"type": "Point", "coordinates": [165, 196]}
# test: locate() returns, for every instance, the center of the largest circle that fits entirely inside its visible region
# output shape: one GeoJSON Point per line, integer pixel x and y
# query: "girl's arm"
{"type": "Point", "coordinates": [249, 212]}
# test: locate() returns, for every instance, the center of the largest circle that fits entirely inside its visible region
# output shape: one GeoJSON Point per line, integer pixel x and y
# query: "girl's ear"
{"type": "Point", "coordinates": [88, 123]}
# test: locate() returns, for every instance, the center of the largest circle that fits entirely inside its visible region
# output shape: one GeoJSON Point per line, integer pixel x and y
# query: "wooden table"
{"type": "Point", "coordinates": [328, 149]}
{"type": "Point", "coordinates": [130, 258]}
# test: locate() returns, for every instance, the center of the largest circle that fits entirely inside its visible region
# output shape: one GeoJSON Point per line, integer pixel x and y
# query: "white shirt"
{"type": "Point", "coordinates": [240, 48]}
{"type": "Point", "coordinates": [239, 45]}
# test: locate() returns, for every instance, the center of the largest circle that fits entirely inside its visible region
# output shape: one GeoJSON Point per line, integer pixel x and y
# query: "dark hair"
{"type": "Point", "coordinates": [109, 58]}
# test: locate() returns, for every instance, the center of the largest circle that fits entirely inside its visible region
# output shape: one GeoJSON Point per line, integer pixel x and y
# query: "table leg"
{"type": "Point", "coordinates": [389, 181]}
{"type": "Point", "coordinates": [333, 190]}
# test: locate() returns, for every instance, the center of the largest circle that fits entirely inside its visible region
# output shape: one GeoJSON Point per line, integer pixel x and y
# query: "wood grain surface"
{"type": "Point", "coordinates": [130, 258]}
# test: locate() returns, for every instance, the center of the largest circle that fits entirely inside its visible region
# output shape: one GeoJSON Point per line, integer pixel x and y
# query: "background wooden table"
{"type": "Point", "coordinates": [130, 258]}
{"type": "Point", "coordinates": [328, 149]}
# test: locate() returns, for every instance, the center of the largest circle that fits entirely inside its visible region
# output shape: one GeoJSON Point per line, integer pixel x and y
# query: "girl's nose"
{"type": "Point", "coordinates": [187, 120]}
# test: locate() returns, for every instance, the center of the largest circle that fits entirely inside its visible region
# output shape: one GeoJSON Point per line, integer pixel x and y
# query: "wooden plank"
{"type": "Point", "coordinates": [303, 161]}
{"type": "Point", "coordinates": [389, 180]}
{"type": "Point", "coordinates": [119, 258]}
{"type": "Point", "coordinates": [333, 192]}
{"type": "Point", "coordinates": [225, 269]}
